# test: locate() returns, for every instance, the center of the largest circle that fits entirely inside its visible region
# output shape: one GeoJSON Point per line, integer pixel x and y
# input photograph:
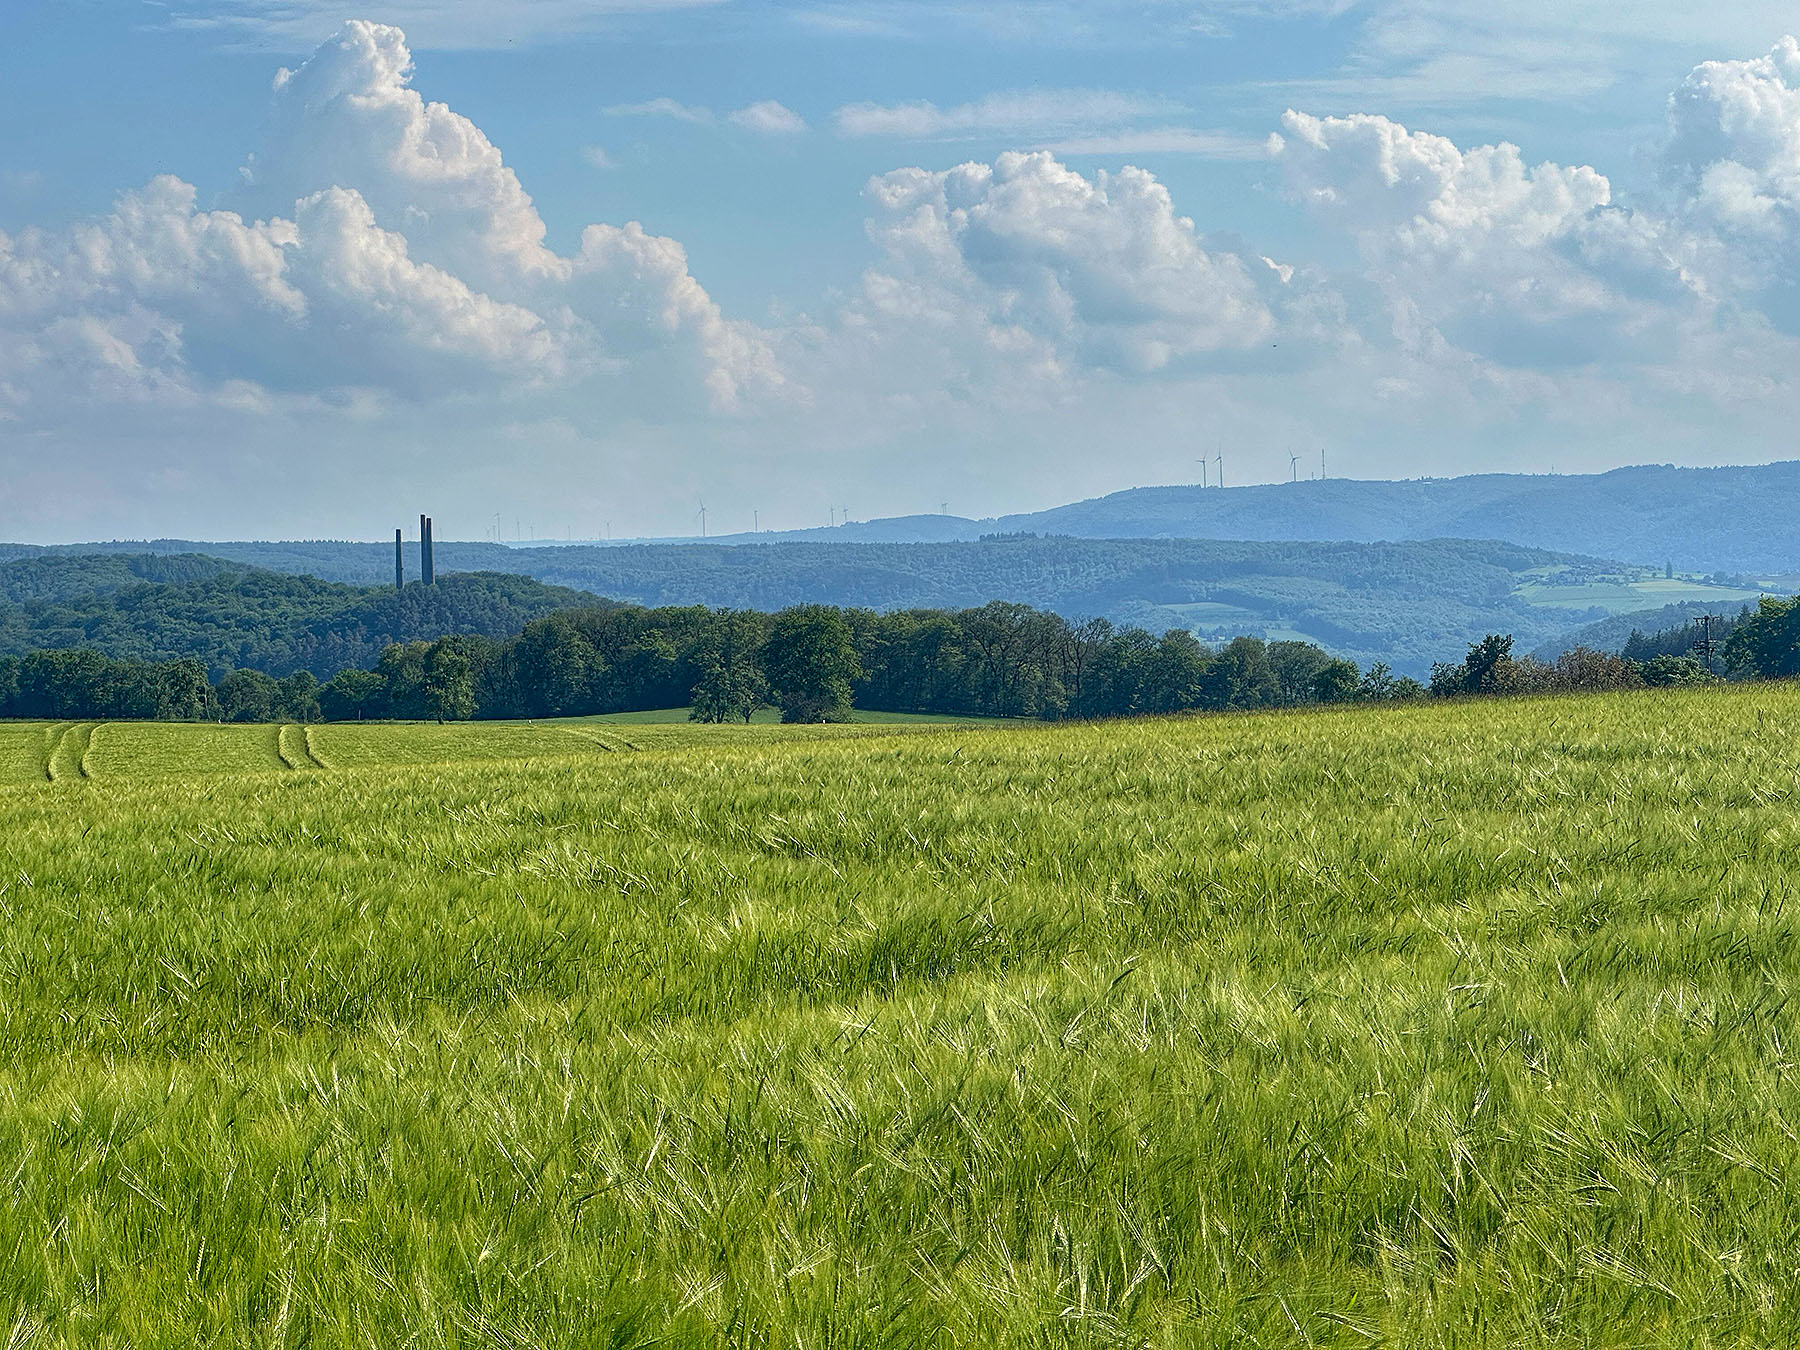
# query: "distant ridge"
{"type": "Point", "coordinates": [1742, 520]}
{"type": "Point", "coordinates": [1739, 520]}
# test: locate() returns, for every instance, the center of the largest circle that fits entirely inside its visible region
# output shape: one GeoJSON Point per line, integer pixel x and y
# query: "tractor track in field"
{"type": "Point", "coordinates": [52, 738]}
{"type": "Point", "coordinates": [66, 759]}
{"type": "Point", "coordinates": [293, 747]}
{"type": "Point", "coordinates": [609, 741]}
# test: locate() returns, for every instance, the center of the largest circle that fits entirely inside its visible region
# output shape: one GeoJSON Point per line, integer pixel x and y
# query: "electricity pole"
{"type": "Point", "coordinates": [1707, 642]}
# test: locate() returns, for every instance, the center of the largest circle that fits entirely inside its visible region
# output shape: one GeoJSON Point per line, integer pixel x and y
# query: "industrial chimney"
{"type": "Point", "coordinates": [427, 572]}
{"type": "Point", "coordinates": [399, 564]}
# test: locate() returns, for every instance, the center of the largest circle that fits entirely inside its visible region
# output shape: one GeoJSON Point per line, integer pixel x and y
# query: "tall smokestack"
{"type": "Point", "coordinates": [399, 564]}
{"type": "Point", "coordinates": [425, 548]}
{"type": "Point", "coordinates": [430, 553]}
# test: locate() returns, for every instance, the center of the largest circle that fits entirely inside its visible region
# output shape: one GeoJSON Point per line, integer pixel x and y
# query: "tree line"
{"type": "Point", "coordinates": [816, 662]}
{"type": "Point", "coordinates": [1403, 603]}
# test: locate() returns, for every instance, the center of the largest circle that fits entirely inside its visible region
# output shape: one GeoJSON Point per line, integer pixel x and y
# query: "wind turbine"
{"type": "Point", "coordinates": [1294, 466]}
{"type": "Point", "coordinates": [703, 517]}
{"type": "Point", "coordinates": [1220, 461]}
{"type": "Point", "coordinates": [1202, 463]}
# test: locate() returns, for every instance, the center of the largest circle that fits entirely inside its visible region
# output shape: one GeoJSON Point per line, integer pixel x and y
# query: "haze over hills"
{"type": "Point", "coordinates": [1741, 520]}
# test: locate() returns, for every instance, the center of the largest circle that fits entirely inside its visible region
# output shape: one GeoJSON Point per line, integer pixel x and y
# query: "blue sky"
{"type": "Point", "coordinates": [589, 265]}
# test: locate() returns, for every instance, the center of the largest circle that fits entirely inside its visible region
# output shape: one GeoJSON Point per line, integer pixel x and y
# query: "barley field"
{"type": "Point", "coordinates": [1439, 1026]}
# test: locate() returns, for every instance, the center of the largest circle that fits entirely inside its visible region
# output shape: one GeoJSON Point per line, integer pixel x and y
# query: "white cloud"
{"type": "Point", "coordinates": [1526, 266]}
{"type": "Point", "coordinates": [163, 302]}
{"type": "Point", "coordinates": [1028, 258]}
{"type": "Point", "coordinates": [1734, 156]}
{"type": "Point", "coordinates": [1030, 112]}
{"type": "Point", "coordinates": [765, 117]}
{"type": "Point", "coordinates": [390, 317]}
{"type": "Point", "coordinates": [1200, 143]}
{"type": "Point", "coordinates": [596, 157]}
{"type": "Point", "coordinates": [1445, 55]}
{"type": "Point", "coordinates": [392, 250]}
{"type": "Point", "coordinates": [661, 107]}
{"type": "Point", "coordinates": [769, 118]}
{"type": "Point", "coordinates": [1081, 24]}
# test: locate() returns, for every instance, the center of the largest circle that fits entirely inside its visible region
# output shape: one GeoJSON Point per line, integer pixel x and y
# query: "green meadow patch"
{"type": "Point", "coordinates": [1439, 1025]}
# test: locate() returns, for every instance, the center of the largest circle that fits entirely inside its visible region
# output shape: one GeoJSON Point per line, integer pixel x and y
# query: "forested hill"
{"type": "Point", "coordinates": [1612, 635]}
{"type": "Point", "coordinates": [55, 577]}
{"type": "Point", "coordinates": [231, 617]}
{"type": "Point", "coordinates": [1407, 604]}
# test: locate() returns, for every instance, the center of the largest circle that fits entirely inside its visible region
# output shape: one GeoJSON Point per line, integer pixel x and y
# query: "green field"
{"type": "Point", "coordinates": [772, 716]}
{"type": "Point", "coordinates": [1625, 591]}
{"type": "Point", "coordinates": [1448, 1025]}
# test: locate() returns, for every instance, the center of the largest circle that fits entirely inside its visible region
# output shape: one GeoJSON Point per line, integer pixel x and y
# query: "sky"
{"type": "Point", "coordinates": [591, 268]}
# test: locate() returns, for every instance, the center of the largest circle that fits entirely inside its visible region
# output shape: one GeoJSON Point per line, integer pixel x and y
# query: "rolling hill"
{"type": "Point", "coordinates": [1408, 603]}
{"type": "Point", "coordinates": [231, 617]}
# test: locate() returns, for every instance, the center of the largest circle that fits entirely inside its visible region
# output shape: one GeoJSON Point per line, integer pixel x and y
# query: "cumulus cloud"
{"type": "Point", "coordinates": [388, 247]}
{"type": "Point", "coordinates": [1524, 265]}
{"type": "Point", "coordinates": [769, 118]}
{"type": "Point", "coordinates": [1734, 155]}
{"type": "Point", "coordinates": [1028, 257]}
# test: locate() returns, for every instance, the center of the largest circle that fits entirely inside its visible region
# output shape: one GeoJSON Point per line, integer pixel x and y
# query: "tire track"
{"type": "Point", "coordinates": [293, 747]}
{"type": "Point", "coordinates": [67, 760]}
{"type": "Point", "coordinates": [53, 736]}
{"type": "Point", "coordinates": [611, 743]}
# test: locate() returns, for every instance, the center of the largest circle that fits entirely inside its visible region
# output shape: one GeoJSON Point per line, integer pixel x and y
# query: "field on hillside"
{"type": "Point", "coordinates": [36, 752]}
{"type": "Point", "coordinates": [1625, 590]}
{"type": "Point", "coordinates": [1447, 1025]}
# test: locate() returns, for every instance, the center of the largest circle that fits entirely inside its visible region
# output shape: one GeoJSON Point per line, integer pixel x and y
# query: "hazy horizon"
{"type": "Point", "coordinates": [517, 532]}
